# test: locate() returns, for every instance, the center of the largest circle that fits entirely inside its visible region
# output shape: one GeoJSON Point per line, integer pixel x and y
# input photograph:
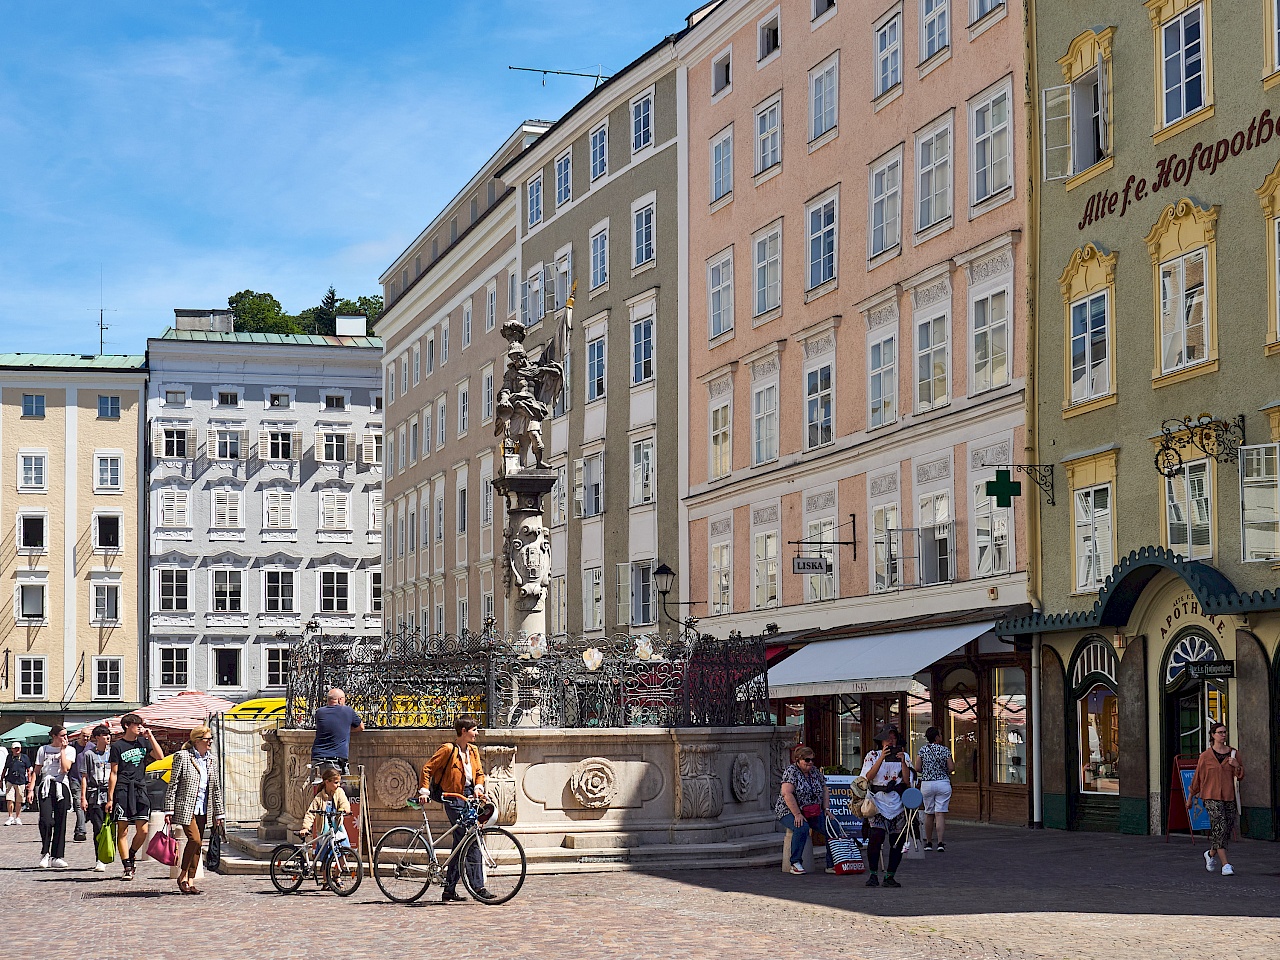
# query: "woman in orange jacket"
{"type": "Point", "coordinates": [1214, 782]}
{"type": "Point", "coordinates": [456, 768]}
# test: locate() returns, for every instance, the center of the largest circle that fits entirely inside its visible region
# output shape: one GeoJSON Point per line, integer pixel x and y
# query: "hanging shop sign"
{"type": "Point", "coordinates": [1212, 670]}
{"type": "Point", "coordinates": [1174, 172]}
{"type": "Point", "coordinates": [810, 565]}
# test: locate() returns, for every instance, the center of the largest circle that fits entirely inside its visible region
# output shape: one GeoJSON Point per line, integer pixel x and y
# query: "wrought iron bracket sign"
{"type": "Point", "coordinates": [1212, 670]}
{"type": "Point", "coordinates": [1003, 488]}
{"type": "Point", "coordinates": [1217, 439]}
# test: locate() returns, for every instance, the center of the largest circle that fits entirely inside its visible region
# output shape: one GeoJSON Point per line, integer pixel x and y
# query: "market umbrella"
{"type": "Point", "coordinates": [30, 734]}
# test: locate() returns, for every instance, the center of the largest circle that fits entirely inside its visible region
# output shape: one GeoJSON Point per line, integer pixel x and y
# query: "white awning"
{"type": "Point", "coordinates": [883, 663]}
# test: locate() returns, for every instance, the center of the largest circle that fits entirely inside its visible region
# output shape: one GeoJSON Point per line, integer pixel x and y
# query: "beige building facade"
{"type": "Point", "coordinates": [72, 555]}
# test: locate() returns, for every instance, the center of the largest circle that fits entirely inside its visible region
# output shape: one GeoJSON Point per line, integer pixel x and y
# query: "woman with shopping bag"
{"type": "Point", "coordinates": [195, 792]}
{"type": "Point", "coordinates": [1217, 782]}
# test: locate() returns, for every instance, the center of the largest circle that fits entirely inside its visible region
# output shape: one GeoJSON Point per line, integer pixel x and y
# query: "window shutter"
{"type": "Point", "coordinates": [1104, 134]}
{"type": "Point", "coordinates": [1102, 529]}
{"type": "Point", "coordinates": [342, 505]}
{"type": "Point", "coordinates": [264, 445]}
{"type": "Point", "coordinates": [182, 508]}
{"type": "Point", "coordinates": [219, 508]}
{"type": "Point", "coordinates": [579, 488]}
{"type": "Point", "coordinates": [157, 440]}
{"type": "Point", "coordinates": [319, 436]}
{"type": "Point", "coordinates": [624, 593]}
{"type": "Point", "coordinates": [366, 448]}
{"type": "Point", "coordinates": [272, 498]}
{"type": "Point", "coordinates": [212, 446]}
{"type": "Point", "coordinates": [295, 445]}
{"type": "Point", "coordinates": [524, 302]}
{"type": "Point", "coordinates": [548, 289]}
{"type": "Point", "coordinates": [1055, 124]}
{"type": "Point", "coordinates": [375, 500]}
{"type": "Point", "coordinates": [351, 448]}
{"type": "Point", "coordinates": [168, 508]}
{"type": "Point", "coordinates": [326, 509]}
{"type": "Point", "coordinates": [191, 444]}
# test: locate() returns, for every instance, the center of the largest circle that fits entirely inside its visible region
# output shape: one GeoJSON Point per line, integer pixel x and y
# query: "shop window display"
{"type": "Point", "coordinates": [1099, 741]}
{"type": "Point", "coordinates": [919, 713]}
{"type": "Point", "coordinates": [961, 691]}
{"type": "Point", "coordinates": [1009, 725]}
{"type": "Point", "coordinates": [849, 719]}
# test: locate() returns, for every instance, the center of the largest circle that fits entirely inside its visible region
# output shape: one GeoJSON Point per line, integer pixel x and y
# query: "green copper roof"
{"type": "Point", "coordinates": [73, 361]}
{"type": "Point", "coordinates": [293, 339]}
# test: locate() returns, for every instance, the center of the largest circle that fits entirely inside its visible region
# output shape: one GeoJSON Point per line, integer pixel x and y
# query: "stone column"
{"type": "Point", "coordinates": [526, 549]}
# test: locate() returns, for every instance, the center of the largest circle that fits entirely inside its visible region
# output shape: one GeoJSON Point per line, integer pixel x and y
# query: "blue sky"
{"type": "Point", "coordinates": [188, 150]}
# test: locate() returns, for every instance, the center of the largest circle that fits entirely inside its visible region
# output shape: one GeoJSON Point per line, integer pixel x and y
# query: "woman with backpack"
{"type": "Point", "coordinates": [455, 768]}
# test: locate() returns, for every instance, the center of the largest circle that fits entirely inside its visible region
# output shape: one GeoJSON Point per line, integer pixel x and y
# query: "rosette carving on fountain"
{"type": "Point", "coordinates": [394, 783]}
{"type": "Point", "coordinates": [594, 783]}
{"type": "Point", "coordinates": [742, 778]}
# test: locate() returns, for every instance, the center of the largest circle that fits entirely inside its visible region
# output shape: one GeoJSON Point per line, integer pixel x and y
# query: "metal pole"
{"type": "Point", "coordinates": [1037, 763]}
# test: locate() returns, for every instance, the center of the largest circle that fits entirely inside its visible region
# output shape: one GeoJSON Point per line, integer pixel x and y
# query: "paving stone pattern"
{"type": "Point", "coordinates": [995, 893]}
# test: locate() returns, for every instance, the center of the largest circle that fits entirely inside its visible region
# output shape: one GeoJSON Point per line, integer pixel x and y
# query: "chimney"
{"type": "Point", "coordinates": [349, 326]}
{"type": "Point", "coordinates": [209, 321]}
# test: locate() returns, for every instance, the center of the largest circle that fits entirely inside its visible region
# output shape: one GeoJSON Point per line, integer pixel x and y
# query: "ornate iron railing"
{"type": "Point", "coordinates": [411, 679]}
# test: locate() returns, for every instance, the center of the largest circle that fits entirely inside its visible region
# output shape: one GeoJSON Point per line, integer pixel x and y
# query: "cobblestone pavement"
{"type": "Point", "coordinates": [1005, 893]}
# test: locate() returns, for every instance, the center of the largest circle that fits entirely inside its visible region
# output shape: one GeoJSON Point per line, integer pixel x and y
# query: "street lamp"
{"type": "Point", "coordinates": [665, 578]}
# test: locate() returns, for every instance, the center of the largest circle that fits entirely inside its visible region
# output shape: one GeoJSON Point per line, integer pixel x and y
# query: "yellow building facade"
{"type": "Point", "coordinates": [72, 536]}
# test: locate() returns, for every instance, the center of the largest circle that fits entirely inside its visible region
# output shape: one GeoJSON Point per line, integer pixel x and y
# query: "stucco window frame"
{"type": "Point", "coordinates": [1084, 472]}
{"type": "Point", "coordinates": [1090, 271]}
{"type": "Point", "coordinates": [1182, 228]}
{"type": "Point", "coordinates": [1007, 193]}
{"type": "Point", "coordinates": [725, 134]}
{"type": "Point", "coordinates": [44, 676]}
{"type": "Point", "coordinates": [880, 164]}
{"type": "Point", "coordinates": [770, 312]}
{"type": "Point", "coordinates": [1089, 51]}
{"type": "Point", "coordinates": [649, 93]}
{"type": "Point", "coordinates": [764, 171]}
{"type": "Point", "coordinates": [818, 139]}
{"type": "Point", "coordinates": [1161, 13]}
{"type": "Point", "coordinates": [23, 514]}
{"type": "Point", "coordinates": [43, 486]}
{"type": "Point", "coordinates": [37, 578]}
{"type": "Point", "coordinates": [1269, 198]}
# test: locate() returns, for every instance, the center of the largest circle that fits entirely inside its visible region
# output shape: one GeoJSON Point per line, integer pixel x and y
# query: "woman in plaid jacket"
{"type": "Point", "coordinates": [195, 792]}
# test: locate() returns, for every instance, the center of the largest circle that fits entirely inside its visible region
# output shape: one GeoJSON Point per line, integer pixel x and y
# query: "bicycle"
{"type": "Point", "coordinates": [334, 864]}
{"type": "Point", "coordinates": [405, 863]}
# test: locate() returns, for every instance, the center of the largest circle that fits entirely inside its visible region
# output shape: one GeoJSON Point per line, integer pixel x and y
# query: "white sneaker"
{"type": "Point", "coordinates": [1227, 870]}
{"type": "Point", "coordinates": [9, 822]}
{"type": "Point", "coordinates": [60, 863]}
{"type": "Point", "coordinates": [44, 862]}
{"type": "Point", "coordinates": [99, 867]}
{"type": "Point", "coordinates": [1210, 863]}
{"type": "Point", "coordinates": [797, 868]}
{"type": "Point", "coordinates": [17, 821]}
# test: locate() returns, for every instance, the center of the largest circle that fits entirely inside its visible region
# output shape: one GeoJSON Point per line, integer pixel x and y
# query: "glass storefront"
{"type": "Point", "coordinates": [1009, 725]}
{"type": "Point", "coordinates": [919, 713]}
{"type": "Point", "coordinates": [961, 692]}
{"type": "Point", "coordinates": [1099, 741]}
{"type": "Point", "coordinates": [849, 743]}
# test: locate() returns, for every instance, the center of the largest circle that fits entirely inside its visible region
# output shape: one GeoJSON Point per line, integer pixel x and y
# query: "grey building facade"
{"type": "Point", "coordinates": [264, 476]}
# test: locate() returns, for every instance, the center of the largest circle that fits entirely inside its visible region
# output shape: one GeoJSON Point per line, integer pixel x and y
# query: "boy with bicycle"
{"type": "Point", "coordinates": [330, 798]}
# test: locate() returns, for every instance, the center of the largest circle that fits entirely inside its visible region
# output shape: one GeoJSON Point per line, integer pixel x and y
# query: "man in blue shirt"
{"type": "Point", "coordinates": [17, 782]}
{"type": "Point", "coordinates": [335, 723]}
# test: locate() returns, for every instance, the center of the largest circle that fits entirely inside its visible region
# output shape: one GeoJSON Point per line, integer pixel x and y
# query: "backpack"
{"type": "Point", "coordinates": [436, 790]}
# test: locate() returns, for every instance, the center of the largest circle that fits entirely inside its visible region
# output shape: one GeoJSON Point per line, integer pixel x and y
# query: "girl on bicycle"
{"type": "Point", "coordinates": [330, 798]}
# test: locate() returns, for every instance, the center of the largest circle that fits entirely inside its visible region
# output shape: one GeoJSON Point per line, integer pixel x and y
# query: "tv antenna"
{"type": "Point", "coordinates": [599, 76]}
{"type": "Point", "coordinates": [102, 326]}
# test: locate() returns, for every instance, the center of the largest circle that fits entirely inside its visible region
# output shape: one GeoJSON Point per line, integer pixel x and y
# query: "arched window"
{"type": "Point", "coordinates": [1093, 684]}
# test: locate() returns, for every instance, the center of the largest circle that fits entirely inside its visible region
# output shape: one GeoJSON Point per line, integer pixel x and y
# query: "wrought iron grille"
{"type": "Point", "coordinates": [412, 679]}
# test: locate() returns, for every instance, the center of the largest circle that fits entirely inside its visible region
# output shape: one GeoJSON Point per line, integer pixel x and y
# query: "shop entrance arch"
{"type": "Point", "coordinates": [1094, 717]}
{"type": "Point", "coordinates": [1189, 706]}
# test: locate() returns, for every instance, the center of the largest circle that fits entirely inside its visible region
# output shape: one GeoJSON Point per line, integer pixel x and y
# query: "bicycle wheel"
{"type": "Point", "coordinates": [288, 867]}
{"type": "Point", "coordinates": [402, 865]}
{"type": "Point", "coordinates": [502, 865]}
{"type": "Point", "coordinates": [344, 871]}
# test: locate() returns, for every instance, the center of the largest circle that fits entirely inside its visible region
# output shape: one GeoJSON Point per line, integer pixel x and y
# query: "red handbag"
{"type": "Point", "coordinates": [163, 848]}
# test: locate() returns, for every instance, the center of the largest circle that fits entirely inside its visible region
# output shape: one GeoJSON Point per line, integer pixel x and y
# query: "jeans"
{"type": "Point", "coordinates": [801, 833]}
{"type": "Point", "coordinates": [75, 805]}
{"type": "Point", "coordinates": [475, 866]}
{"type": "Point", "coordinates": [53, 823]}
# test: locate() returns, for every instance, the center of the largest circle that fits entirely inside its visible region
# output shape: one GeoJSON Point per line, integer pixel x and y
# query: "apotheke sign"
{"type": "Point", "coordinates": [1212, 670]}
{"type": "Point", "coordinates": [1176, 172]}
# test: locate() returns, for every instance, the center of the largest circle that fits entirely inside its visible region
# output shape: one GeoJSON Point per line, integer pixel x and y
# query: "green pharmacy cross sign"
{"type": "Point", "coordinates": [1004, 488]}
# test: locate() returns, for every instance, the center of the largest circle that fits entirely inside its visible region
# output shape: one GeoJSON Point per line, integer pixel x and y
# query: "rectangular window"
{"type": "Point", "coordinates": [817, 407]}
{"type": "Point", "coordinates": [226, 666]}
{"type": "Point", "coordinates": [764, 424]}
{"type": "Point", "coordinates": [277, 509]}
{"type": "Point", "coordinates": [991, 341]}
{"type": "Point", "coordinates": [1182, 53]}
{"type": "Point", "coordinates": [595, 369]}
{"type": "Point", "coordinates": [535, 200]}
{"type": "Point", "coordinates": [334, 447]}
{"type": "Point", "coordinates": [106, 603]}
{"type": "Point", "coordinates": [375, 595]}
{"type": "Point", "coordinates": [591, 486]}
{"type": "Point", "coordinates": [441, 422]}
{"type": "Point", "coordinates": [33, 404]}
{"type": "Point", "coordinates": [992, 526]}
{"type": "Point", "coordinates": [486, 500]}
{"type": "Point", "coordinates": [822, 243]}
{"type": "Point", "coordinates": [228, 399]}
{"type": "Point", "coordinates": [227, 444]}
{"type": "Point", "coordinates": [722, 166]}
{"type": "Point", "coordinates": [31, 678]}
{"type": "Point", "coordinates": [1183, 330]}
{"type": "Point", "coordinates": [108, 473]}
{"type": "Point", "coordinates": [642, 347]}
{"type": "Point", "coordinates": [173, 666]}
{"type": "Point", "coordinates": [819, 541]}
{"type": "Point", "coordinates": [768, 272]}
{"type": "Point", "coordinates": [600, 258]}
{"type": "Point", "coordinates": [721, 586]}
{"type": "Point", "coordinates": [642, 472]}
{"type": "Point", "coordinates": [823, 98]}
{"type": "Point", "coordinates": [560, 497]}
{"type": "Point", "coordinates": [487, 398]}
{"type": "Point", "coordinates": [31, 601]}
{"type": "Point", "coordinates": [431, 353]}
{"type": "Point", "coordinates": [1093, 536]}
{"type": "Point", "coordinates": [882, 388]}
{"type": "Point", "coordinates": [1260, 502]}
{"type": "Point", "coordinates": [641, 123]}
{"type": "Point", "coordinates": [642, 606]}
{"type": "Point", "coordinates": [464, 410]}
{"type": "Point", "coordinates": [333, 591]}
{"type": "Point", "coordinates": [280, 445]}
{"type": "Point", "coordinates": [444, 342]}
{"type": "Point", "coordinates": [644, 251]}
{"type": "Point", "coordinates": [889, 55]}
{"type": "Point", "coordinates": [227, 591]}
{"type": "Point", "coordinates": [721, 73]}
{"type": "Point", "coordinates": [107, 533]}
{"type": "Point", "coordinates": [335, 401]}
{"type": "Point", "coordinates": [279, 591]}
{"type": "Point", "coordinates": [720, 295]}
{"type": "Point", "coordinates": [599, 152]}
{"type": "Point", "coordinates": [933, 163]}
{"type": "Point", "coordinates": [461, 520]}
{"type": "Point", "coordinates": [935, 543]}
{"type": "Point", "coordinates": [277, 666]}
{"type": "Point", "coordinates": [992, 147]}
{"type": "Point", "coordinates": [982, 7]}
{"type": "Point", "coordinates": [31, 533]}
{"type": "Point", "coordinates": [175, 443]}
{"type": "Point", "coordinates": [417, 366]}
{"type": "Point", "coordinates": [768, 135]}
{"type": "Point", "coordinates": [176, 398]}
{"type": "Point", "coordinates": [721, 441]}
{"type": "Point", "coordinates": [490, 308]}
{"type": "Point", "coordinates": [466, 324]}
{"type": "Point", "coordinates": [226, 513]}
{"type": "Point", "coordinates": [173, 590]}
{"type": "Point", "coordinates": [279, 401]}
{"type": "Point", "coordinates": [770, 38]}
{"type": "Point", "coordinates": [592, 598]}
{"type": "Point", "coordinates": [33, 474]}
{"type": "Point", "coordinates": [934, 24]}
{"type": "Point", "coordinates": [108, 408]}
{"type": "Point", "coordinates": [564, 179]}
{"type": "Point", "coordinates": [1188, 511]}
{"type": "Point", "coordinates": [439, 518]}
{"type": "Point", "coordinates": [334, 510]}
{"type": "Point", "coordinates": [886, 206]}
{"type": "Point", "coordinates": [764, 572]}
{"type": "Point", "coordinates": [1090, 371]}
{"type": "Point", "coordinates": [932, 364]}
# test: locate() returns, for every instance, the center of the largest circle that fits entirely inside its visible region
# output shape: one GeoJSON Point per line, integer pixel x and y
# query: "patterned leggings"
{"type": "Point", "coordinates": [1222, 823]}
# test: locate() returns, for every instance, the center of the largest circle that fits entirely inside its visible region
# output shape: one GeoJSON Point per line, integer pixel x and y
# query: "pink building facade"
{"type": "Point", "coordinates": [855, 325]}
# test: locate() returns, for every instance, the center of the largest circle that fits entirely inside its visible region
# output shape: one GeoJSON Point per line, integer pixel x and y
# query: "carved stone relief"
{"type": "Point", "coordinates": [763, 515]}
{"type": "Point", "coordinates": [935, 292]}
{"type": "Point", "coordinates": [819, 346]}
{"type": "Point", "coordinates": [933, 470]}
{"type": "Point", "coordinates": [721, 528]}
{"type": "Point", "coordinates": [594, 783]}
{"type": "Point", "coordinates": [882, 315]}
{"type": "Point", "coordinates": [884, 485]}
{"type": "Point", "coordinates": [996, 453]}
{"type": "Point", "coordinates": [742, 779]}
{"type": "Point", "coordinates": [721, 386]}
{"type": "Point", "coordinates": [701, 792]}
{"type": "Point", "coordinates": [500, 783]}
{"type": "Point", "coordinates": [394, 782]}
{"type": "Point", "coordinates": [996, 265]}
{"type": "Point", "coordinates": [765, 368]}
{"type": "Point", "coordinates": [820, 501]}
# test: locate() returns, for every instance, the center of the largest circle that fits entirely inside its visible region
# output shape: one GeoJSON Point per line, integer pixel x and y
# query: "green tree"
{"type": "Point", "coordinates": [255, 312]}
